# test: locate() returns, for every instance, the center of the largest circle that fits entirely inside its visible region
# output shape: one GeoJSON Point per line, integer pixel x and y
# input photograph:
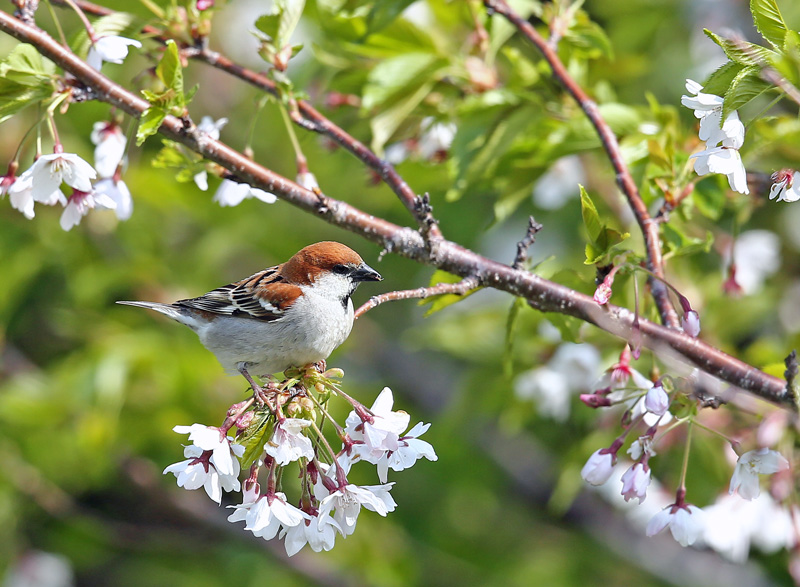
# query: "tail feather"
{"type": "Point", "coordinates": [166, 309]}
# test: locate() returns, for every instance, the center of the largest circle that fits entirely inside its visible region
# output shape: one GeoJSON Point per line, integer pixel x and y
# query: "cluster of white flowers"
{"type": "Point", "coordinates": [328, 504]}
{"type": "Point", "coordinates": [649, 403]}
{"type": "Point", "coordinates": [723, 139]}
{"type": "Point", "coordinates": [42, 181]}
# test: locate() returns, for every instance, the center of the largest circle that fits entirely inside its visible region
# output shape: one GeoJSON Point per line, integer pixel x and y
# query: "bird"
{"type": "Point", "coordinates": [290, 315]}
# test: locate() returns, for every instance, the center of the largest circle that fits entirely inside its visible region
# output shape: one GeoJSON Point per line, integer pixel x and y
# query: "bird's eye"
{"type": "Point", "coordinates": [341, 269]}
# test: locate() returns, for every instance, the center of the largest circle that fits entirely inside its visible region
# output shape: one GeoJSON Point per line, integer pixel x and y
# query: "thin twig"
{"type": "Point", "coordinates": [459, 289]}
{"type": "Point", "coordinates": [541, 294]}
{"type": "Point", "coordinates": [423, 211]}
{"type": "Point", "coordinates": [523, 245]}
{"type": "Point", "coordinates": [649, 228]}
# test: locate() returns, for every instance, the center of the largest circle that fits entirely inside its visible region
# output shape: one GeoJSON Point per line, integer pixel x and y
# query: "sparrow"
{"type": "Point", "coordinates": [290, 315]}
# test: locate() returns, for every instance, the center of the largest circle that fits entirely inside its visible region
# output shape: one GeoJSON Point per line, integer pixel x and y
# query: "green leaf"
{"type": "Point", "coordinates": [269, 24]}
{"type": "Point", "coordinates": [709, 196]}
{"type": "Point", "coordinates": [720, 80]}
{"type": "Point", "coordinates": [149, 123]}
{"type": "Point", "coordinates": [591, 219]}
{"type": "Point", "coordinates": [279, 25]}
{"type": "Point", "coordinates": [385, 123]}
{"type": "Point", "coordinates": [678, 243]}
{"type": "Point", "coordinates": [742, 52]}
{"type": "Point", "coordinates": [169, 71]}
{"type": "Point", "coordinates": [14, 97]}
{"type": "Point", "coordinates": [291, 11]}
{"type": "Point", "coordinates": [440, 302]}
{"type": "Point", "coordinates": [384, 12]}
{"type": "Point", "coordinates": [255, 437]}
{"type": "Point", "coordinates": [398, 75]}
{"type": "Point", "coordinates": [769, 21]}
{"type": "Point", "coordinates": [746, 86]}
{"type": "Point", "coordinates": [25, 65]}
{"type": "Point", "coordinates": [511, 326]}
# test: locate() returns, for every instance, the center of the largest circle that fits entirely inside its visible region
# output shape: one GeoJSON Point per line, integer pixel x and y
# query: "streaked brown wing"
{"type": "Point", "coordinates": [263, 296]}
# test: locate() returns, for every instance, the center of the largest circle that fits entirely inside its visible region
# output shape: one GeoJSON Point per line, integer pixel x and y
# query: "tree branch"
{"type": "Point", "coordinates": [540, 293]}
{"type": "Point", "coordinates": [459, 288]}
{"type": "Point", "coordinates": [309, 118]}
{"type": "Point", "coordinates": [649, 228]}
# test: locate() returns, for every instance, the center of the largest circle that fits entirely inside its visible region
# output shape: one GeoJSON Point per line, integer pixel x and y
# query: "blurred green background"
{"type": "Point", "coordinates": [89, 391]}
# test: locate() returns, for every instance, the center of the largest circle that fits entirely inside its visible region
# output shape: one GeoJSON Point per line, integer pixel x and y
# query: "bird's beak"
{"type": "Point", "coordinates": [365, 273]}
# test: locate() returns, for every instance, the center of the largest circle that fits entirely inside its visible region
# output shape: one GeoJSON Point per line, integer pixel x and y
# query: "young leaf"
{"type": "Point", "coordinates": [769, 21]}
{"type": "Point", "coordinates": [24, 65]}
{"type": "Point", "coordinates": [591, 219]}
{"type": "Point", "coordinates": [14, 97]}
{"type": "Point", "coordinates": [741, 51]}
{"type": "Point", "coordinates": [256, 435]}
{"type": "Point", "coordinates": [720, 80]}
{"type": "Point", "coordinates": [746, 86]}
{"type": "Point", "coordinates": [169, 71]}
{"type": "Point", "coordinates": [148, 124]}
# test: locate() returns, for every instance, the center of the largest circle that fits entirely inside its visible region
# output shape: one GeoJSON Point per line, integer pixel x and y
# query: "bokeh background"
{"type": "Point", "coordinates": [89, 391]}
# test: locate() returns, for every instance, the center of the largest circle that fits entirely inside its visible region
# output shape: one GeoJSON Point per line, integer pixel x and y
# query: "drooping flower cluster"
{"type": "Point", "coordinates": [723, 138]}
{"type": "Point", "coordinates": [648, 404]}
{"type": "Point", "coordinates": [279, 428]}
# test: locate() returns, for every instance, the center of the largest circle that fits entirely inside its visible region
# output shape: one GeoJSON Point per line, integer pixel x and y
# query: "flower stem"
{"type": "Point", "coordinates": [57, 23]}
{"type": "Point", "coordinates": [685, 466]}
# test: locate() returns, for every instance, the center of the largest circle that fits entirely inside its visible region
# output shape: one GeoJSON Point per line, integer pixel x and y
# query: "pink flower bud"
{"type": "Point", "coordinates": [656, 400]}
{"type": "Point", "coordinates": [594, 400]}
{"type": "Point", "coordinates": [690, 322]}
{"type": "Point", "coordinates": [635, 482]}
{"type": "Point", "coordinates": [204, 5]}
{"type": "Point", "coordinates": [603, 292]}
{"type": "Point", "coordinates": [599, 467]}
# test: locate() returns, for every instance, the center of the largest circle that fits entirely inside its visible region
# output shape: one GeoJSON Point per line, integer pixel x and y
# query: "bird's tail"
{"type": "Point", "coordinates": [167, 309]}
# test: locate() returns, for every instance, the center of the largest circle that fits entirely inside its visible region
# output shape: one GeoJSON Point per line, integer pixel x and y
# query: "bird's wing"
{"type": "Point", "coordinates": [264, 296]}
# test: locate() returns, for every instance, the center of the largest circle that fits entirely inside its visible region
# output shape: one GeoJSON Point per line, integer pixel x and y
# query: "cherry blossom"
{"type": "Point", "coordinates": [211, 127]}
{"type": "Point", "coordinates": [708, 108]}
{"type": "Point", "coordinates": [346, 504]}
{"type": "Point", "coordinates": [118, 191]}
{"type": "Point", "coordinates": [210, 438]}
{"type": "Point", "coordinates": [785, 186]}
{"type": "Point", "coordinates": [686, 522]}
{"type": "Point", "coordinates": [265, 515]}
{"type": "Point", "coordinates": [80, 203]}
{"type": "Point", "coordinates": [599, 467]}
{"type": "Point", "coordinates": [726, 161]}
{"type": "Point", "coordinates": [409, 450]}
{"type": "Point", "coordinates": [635, 482]}
{"type": "Point", "coordinates": [379, 431]}
{"type": "Point", "coordinates": [110, 49]}
{"type": "Point", "coordinates": [319, 535]}
{"type": "Point", "coordinates": [232, 193]}
{"type": "Point", "coordinates": [199, 470]}
{"type": "Point", "coordinates": [50, 171]}
{"type": "Point", "coordinates": [288, 443]}
{"type": "Point", "coordinates": [752, 464]}
{"type": "Point", "coordinates": [110, 149]}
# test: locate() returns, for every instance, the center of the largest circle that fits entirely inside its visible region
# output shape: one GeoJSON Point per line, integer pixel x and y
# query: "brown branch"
{"type": "Point", "coordinates": [305, 116]}
{"type": "Point", "coordinates": [523, 245]}
{"type": "Point", "coordinates": [459, 289]}
{"type": "Point", "coordinates": [649, 228]}
{"type": "Point", "coordinates": [541, 294]}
